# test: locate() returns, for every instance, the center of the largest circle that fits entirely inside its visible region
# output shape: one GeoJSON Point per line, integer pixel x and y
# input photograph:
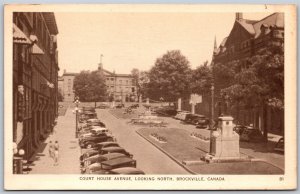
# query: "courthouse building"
{"type": "Point", "coordinates": [120, 87]}
{"type": "Point", "coordinates": [246, 38]}
{"type": "Point", "coordinates": [35, 73]}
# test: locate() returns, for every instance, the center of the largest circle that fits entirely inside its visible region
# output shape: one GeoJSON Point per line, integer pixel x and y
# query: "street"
{"type": "Point", "coordinates": [149, 158]}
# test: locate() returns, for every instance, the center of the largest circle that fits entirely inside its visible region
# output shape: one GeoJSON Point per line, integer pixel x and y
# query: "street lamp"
{"type": "Point", "coordinates": [212, 122]}
{"type": "Point", "coordinates": [17, 159]}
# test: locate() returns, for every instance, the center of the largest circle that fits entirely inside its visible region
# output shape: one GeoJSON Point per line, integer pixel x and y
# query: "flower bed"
{"type": "Point", "coordinates": [200, 137]}
{"type": "Point", "coordinates": [158, 138]}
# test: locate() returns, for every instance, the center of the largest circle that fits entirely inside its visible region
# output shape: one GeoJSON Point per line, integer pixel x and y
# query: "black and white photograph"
{"type": "Point", "coordinates": [146, 97]}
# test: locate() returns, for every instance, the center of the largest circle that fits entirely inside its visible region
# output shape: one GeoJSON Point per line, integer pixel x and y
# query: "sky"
{"type": "Point", "coordinates": [136, 40]}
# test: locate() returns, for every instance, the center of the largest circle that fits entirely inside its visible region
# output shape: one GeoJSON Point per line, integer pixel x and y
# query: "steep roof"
{"type": "Point", "coordinates": [275, 19]}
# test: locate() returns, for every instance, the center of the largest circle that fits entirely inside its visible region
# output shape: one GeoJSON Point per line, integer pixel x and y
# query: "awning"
{"type": "Point", "coordinates": [19, 37]}
{"type": "Point", "coordinates": [36, 50]}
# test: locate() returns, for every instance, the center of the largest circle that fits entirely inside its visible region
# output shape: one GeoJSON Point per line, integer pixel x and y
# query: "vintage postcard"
{"type": "Point", "coordinates": [150, 97]}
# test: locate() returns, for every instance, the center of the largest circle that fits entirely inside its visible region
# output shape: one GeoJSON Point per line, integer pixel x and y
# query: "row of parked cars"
{"type": "Point", "coordinates": [247, 133]}
{"type": "Point", "coordinates": [101, 153]}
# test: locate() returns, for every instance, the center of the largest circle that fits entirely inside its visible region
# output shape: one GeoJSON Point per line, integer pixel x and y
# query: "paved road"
{"type": "Point", "coordinates": [149, 158]}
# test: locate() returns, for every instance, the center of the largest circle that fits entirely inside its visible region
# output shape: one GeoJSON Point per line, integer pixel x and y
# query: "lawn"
{"type": "Point", "coordinates": [119, 113]}
{"type": "Point", "coordinates": [257, 167]}
{"type": "Point", "coordinates": [179, 143]}
{"type": "Point", "coordinates": [181, 146]}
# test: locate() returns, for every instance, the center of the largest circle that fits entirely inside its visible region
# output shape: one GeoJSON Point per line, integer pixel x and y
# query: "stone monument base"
{"type": "Point", "coordinates": [215, 159]}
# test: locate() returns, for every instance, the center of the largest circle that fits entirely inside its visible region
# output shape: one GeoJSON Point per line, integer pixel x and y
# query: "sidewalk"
{"type": "Point", "coordinates": [69, 150]}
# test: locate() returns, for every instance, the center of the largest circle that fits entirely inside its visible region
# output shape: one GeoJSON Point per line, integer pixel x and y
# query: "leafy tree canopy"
{"type": "Point", "coordinates": [90, 86]}
{"type": "Point", "coordinates": [201, 79]}
{"type": "Point", "coordinates": [169, 78]}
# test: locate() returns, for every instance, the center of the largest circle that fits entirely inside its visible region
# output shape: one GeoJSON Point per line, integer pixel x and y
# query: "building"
{"type": "Point", "coordinates": [35, 73]}
{"type": "Point", "coordinates": [65, 87]}
{"type": "Point", "coordinates": [246, 38]}
{"type": "Point", "coordinates": [120, 87]}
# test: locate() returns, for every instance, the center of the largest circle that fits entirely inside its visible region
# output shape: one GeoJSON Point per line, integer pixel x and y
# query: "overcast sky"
{"type": "Point", "coordinates": [135, 40]}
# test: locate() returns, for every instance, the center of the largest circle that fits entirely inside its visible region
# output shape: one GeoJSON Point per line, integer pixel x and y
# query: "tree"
{"type": "Point", "coordinates": [90, 86]}
{"type": "Point", "coordinates": [201, 79]}
{"type": "Point", "coordinates": [169, 78]}
{"type": "Point", "coordinates": [260, 82]}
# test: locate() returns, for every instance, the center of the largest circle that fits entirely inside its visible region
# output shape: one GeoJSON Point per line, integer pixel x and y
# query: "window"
{"type": "Point", "coordinates": [112, 79]}
{"type": "Point", "coordinates": [120, 81]}
{"type": "Point", "coordinates": [126, 82]}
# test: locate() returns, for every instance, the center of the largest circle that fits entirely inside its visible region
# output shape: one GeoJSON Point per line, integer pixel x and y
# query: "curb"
{"type": "Point", "coordinates": [168, 154]}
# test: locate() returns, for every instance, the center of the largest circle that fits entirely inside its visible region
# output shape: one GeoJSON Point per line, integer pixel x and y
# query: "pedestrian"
{"type": "Point", "coordinates": [51, 148]}
{"type": "Point", "coordinates": [56, 149]}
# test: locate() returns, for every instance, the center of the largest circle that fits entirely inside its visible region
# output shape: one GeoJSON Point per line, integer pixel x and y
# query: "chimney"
{"type": "Point", "coordinates": [100, 66]}
{"type": "Point", "coordinates": [238, 16]}
{"type": "Point", "coordinates": [65, 71]}
{"type": "Point", "coordinates": [215, 46]}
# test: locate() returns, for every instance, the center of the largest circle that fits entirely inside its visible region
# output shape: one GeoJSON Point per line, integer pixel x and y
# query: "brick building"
{"type": "Point", "coordinates": [246, 38]}
{"type": "Point", "coordinates": [35, 72]}
{"type": "Point", "coordinates": [120, 87]}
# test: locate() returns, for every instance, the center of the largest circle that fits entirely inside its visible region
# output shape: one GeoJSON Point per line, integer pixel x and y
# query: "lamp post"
{"type": "Point", "coordinates": [212, 123]}
{"type": "Point", "coordinates": [17, 159]}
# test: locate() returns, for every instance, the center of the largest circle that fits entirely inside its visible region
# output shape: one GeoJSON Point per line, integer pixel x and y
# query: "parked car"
{"type": "Point", "coordinates": [134, 106]}
{"type": "Point", "coordinates": [97, 147]}
{"type": "Point", "coordinates": [103, 106]}
{"type": "Point", "coordinates": [94, 163]}
{"type": "Point", "coordinates": [90, 141]}
{"type": "Point", "coordinates": [279, 145]}
{"type": "Point", "coordinates": [88, 109]}
{"type": "Point", "coordinates": [166, 111]}
{"type": "Point", "coordinates": [181, 115]}
{"type": "Point", "coordinates": [126, 170]}
{"type": "Point", "coordinates": [193, 118]}
{"type": "Point", "coordinates": [115, 150]}
{"type": "Point", "coordinates": [115, 163]}
{"type": "Point", "coordinates": [251, 134]}
{"type": "Point", "coordinates": [239, 129]}
{"type": "Point", "coordinates": [87, 115]}
{"type": "Point", "coordinates": [120, 106]}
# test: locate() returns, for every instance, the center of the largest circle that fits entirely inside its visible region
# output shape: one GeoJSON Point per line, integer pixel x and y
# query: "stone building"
{"type": "Point", "coordinates": [65, 87]}
{"type": "Point", "coordinates": [246, 38]}
{"type": "Point", "coordinates": [35, 73]}
{"type": "Point", "coordinates": [120, 87]}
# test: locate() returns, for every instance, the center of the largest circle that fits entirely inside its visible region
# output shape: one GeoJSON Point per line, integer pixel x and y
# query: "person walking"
{"type": "Point", "coordinates": [56, 151]}
{"type": "Point", "coordinates": [51, 149]}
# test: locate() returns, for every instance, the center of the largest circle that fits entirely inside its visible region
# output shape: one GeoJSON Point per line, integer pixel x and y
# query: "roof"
{"type": "Point", "coordinates": [113, 149]}
{"type": "Point", "coordinates": [50, 22]}
{"type": "Point", "coordinates": [247, 25]}
{"type": "Point", "coordinates": [127, 170]}
{"type": "Point", "coordinates": [275, 19]}
{"type": "Point", "coordinates": [117, 161]}
{"type": "Point", "coordinates": [70, 74]}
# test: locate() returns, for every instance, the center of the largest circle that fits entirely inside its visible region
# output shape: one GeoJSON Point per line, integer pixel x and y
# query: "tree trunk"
{"type": "Point", "coordinates": [265, 116]}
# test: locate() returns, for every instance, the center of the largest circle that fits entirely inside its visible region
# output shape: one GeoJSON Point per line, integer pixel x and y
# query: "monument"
{"type": "Point", "coordinates": [225, 142]}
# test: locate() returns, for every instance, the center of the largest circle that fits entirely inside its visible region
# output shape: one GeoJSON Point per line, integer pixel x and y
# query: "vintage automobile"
{"type": "Point", "coordinates": [201, 122]}
{"type": "Point", "coordinates": [126, 170]}
{"type": "Point", "coordinates": [134, 106]}
{"type": "Point", "coordinates": [88, 109]}
{"type": "Point", "coordinates": [103, 106]}
{"type": "Point", "coordinates": [166, 111]}
{"type": "Point", "coordinates": [120, 106]}
{"type": "Point", "coordinates": [251, 134]}
{"type": "Point", "coordinates": [97, 147]}
{"type": "Point", "coordinates": [279, 147]}
{"type": "Point", "coordinates": [93, 163]}
{"type": "Point", "coordinates": [181, 115]}
{"type": "Point", "coordinates": [94, 131]}
{"type": "Point", "coordinates": [115, 150]}
{"type": "Point", "coordinates": [87, 115]}
{"type": "Point", "coordinates": [108, 165]}
{"type": "Point", "coordinates": [239, 129]}
{"type": "Point", "coordinates": [90, 141]}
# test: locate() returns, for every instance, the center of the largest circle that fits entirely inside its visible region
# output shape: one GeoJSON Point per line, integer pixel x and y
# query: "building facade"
{"type": "Point", "coordinates": [65, 87]}
{"type": "Point", "coordinates": [35, 74]}
{"type": "Point", "coordinates": [120, 87]}
{"type": "Point", "coordinates": [245, 40]}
